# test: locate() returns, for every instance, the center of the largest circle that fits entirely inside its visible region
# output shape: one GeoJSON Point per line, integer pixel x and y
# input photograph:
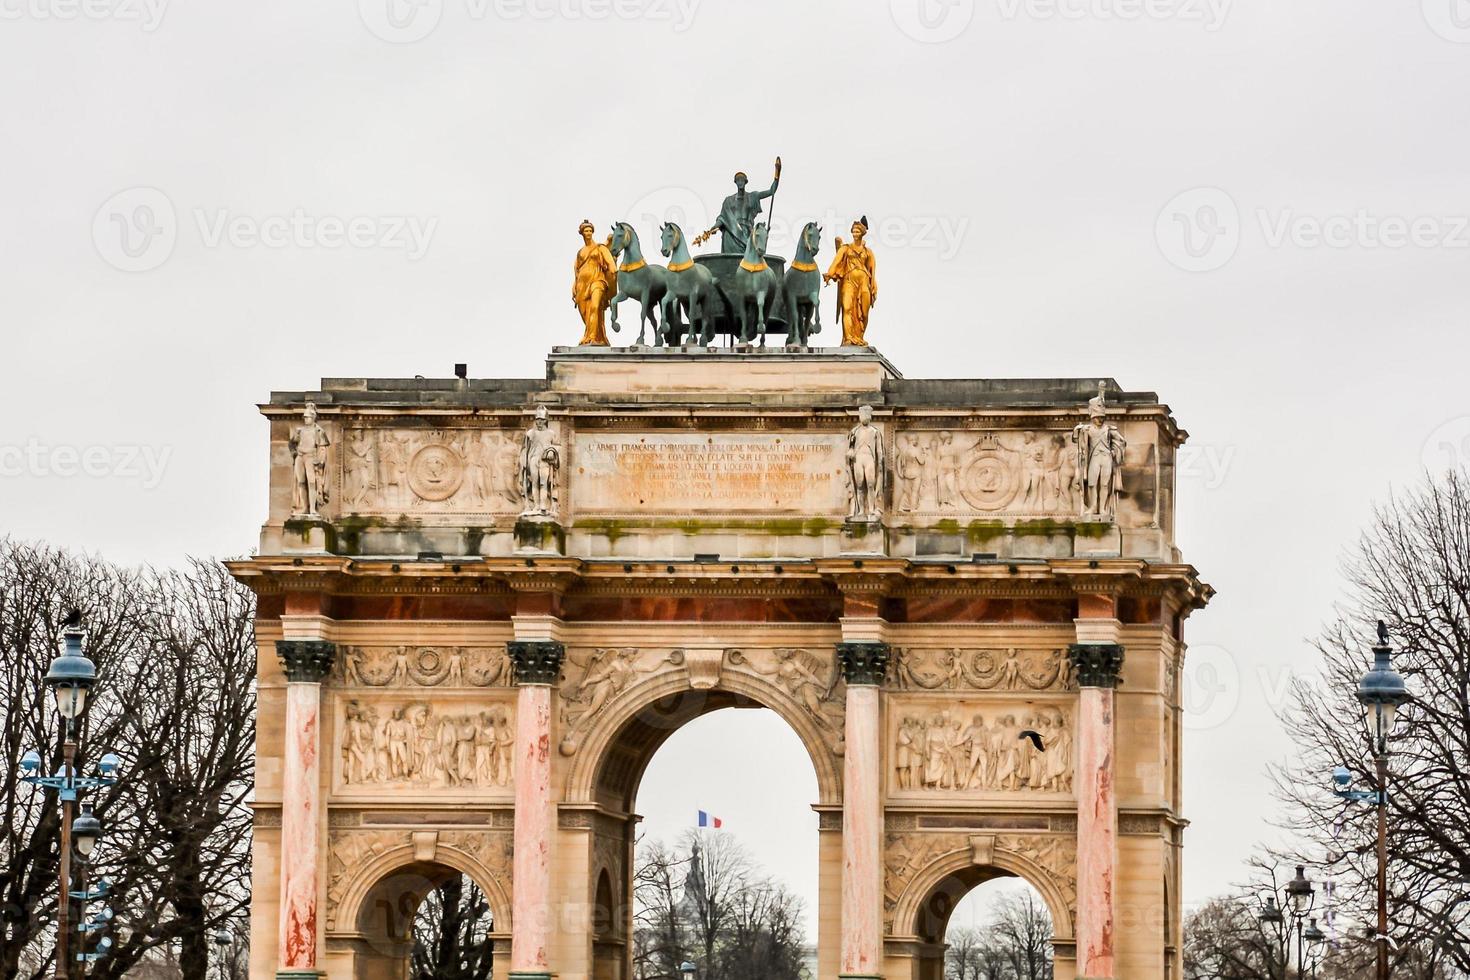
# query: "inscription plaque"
{"type": "Point", "coordinates": [742, 472]}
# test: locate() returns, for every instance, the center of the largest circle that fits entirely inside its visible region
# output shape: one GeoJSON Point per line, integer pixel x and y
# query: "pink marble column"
{"type": "Point", "coordinates": [1096, 666]}
{"type": "Point", "coordinates": [864, 666]}
{"type": "Point", "coordinates": [305, 663]}
{"type": "Point", "coordinates": [537, 665]}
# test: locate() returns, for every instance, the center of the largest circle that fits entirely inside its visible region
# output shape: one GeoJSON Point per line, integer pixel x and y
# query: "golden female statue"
{"type": "Point", "coordinates": [593, 287]}
{"type": "Point", "coordinates": [856, 273]}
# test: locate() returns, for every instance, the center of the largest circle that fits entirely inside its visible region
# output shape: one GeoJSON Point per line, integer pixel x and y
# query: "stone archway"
{"type": "Point", "coordinates": [608, 759]}
{"type": "Point", "coordinates": [922, 911]}
{"type": "Point", "coordinates": [372, 924]}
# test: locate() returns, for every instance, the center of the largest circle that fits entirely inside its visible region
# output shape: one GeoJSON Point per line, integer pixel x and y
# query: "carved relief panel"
{"type": "Point", "coordinates": [595, 678]}
{"type": "Point", "coordinates": [450, 745]}
{"type": "Point", "coordinates": [907, 856]}
{"type": "Point", "coordinates": [959, 669]}
{"type": "Point", "coordinates": [464, 471]}
{"type": "Point", "coordinates": [946, 473]}
{"type": "Point", "coordinates": [982, 747]}
{"type": "Point", "coordinates": [423, 666]}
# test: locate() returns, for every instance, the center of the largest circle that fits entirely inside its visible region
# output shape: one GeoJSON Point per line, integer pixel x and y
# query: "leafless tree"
{"type": "Point", "coordinates": [1013, 943]}
{"type": "Point", "coordinates": [451, 933]}
{"type": "Point", "coordinates": [706, 901]}
{"type": "Point", "coordinates": [1410, 569]}
{"type": "Point", "coordinates": [175, 655]}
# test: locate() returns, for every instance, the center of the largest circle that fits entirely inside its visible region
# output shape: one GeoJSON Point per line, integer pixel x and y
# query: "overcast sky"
{"type": "Point", "coordinates": [1256, 209]}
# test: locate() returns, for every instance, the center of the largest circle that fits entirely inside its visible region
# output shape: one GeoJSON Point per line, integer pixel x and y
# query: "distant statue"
{"type": "Point", "coordinates": [593, 287]}
{"type": "Point", "coordinates": [865, 467]}
{"type": "Point", "coordinates": [540, 464]}
{"type": "Point", "coordinates": [738, 214]}
{"type": "Point", "coordinates": [1099, 460]}
{"type": "Point", "coordinates": [855, 271]}
{"type": "Point", "coordinates": [309, 444]}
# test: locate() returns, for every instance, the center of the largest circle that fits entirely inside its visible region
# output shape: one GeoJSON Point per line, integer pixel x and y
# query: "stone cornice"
{"type": "Point", "coordinates": [1177, 585]}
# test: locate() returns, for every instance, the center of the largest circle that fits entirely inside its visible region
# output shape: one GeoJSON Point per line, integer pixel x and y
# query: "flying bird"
{"type": "Point", "coordinates": [73, 618]}
{"type": "Point", "coordinates": [1035, 738]}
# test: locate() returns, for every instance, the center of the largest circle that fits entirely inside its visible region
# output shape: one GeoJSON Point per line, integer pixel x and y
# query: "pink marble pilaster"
{"type": "Point", "coordinates": [1096, 666]}
{"type": "Point", "coordinates": [305, 663]}
{"type": "Point", "coordinates": [864, 665]}
{"type": "Point", "coordinates": [537, 665]}
{"type": "Point", "coordinates": [532, 868]}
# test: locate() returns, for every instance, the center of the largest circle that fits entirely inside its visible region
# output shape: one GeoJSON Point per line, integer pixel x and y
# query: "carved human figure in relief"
{"type": "Point", "coordinates": [943, 752]}
{"type": "Point", "coordinates": [865, 462]}
{"type": "Point", "coordinates": [309, 444]}
{"type": "Point", "coordinates": [947, 461]}
{"type": "Point", "coordinates": [540, 464]}
{"type": "Point", "coordinates": [1099, 461]}
{"type": "Point", "coordinates": [910, 466]}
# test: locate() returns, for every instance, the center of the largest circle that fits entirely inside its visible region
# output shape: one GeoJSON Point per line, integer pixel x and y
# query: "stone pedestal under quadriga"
{"type": "Point", "coordinates": [963, 596]}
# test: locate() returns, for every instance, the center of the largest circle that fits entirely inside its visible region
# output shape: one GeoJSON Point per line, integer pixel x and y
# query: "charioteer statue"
{"type": "Point", "coordinates": [738, 214]}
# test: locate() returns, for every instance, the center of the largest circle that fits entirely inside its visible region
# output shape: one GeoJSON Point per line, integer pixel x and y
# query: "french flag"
{"type": "Point", "coordinates": [705, 820]}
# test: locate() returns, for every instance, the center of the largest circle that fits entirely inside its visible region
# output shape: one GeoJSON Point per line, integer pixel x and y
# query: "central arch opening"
{"type": "Point", "coordinates": [724, 842]}
{"type": "Point", "coordinates": [985, 924]}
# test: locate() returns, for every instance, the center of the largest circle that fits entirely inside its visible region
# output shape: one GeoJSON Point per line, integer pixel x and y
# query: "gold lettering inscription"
{"type": "Point", "coordinates": [745, 472]}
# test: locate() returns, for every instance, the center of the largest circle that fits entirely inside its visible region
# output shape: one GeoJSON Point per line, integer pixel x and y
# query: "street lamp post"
{"type": "Point", "coordinates": [70, 678]}
{"type": "Point", "coordinates": [1300, 898]}
{"type": "Point", "coordinates": [687, 970]}
{"type": "Point", "coordinates": [1381, 691]}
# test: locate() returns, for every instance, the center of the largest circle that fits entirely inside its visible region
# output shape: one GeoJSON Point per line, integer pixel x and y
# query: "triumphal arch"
{"type": "Point", "coordinates": [484, 604]}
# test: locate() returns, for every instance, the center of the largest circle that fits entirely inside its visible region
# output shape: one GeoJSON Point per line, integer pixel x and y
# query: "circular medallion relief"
{"type": "Point", "coordinates": [988, 481]}
{"type": "Point", "coordinates": [435, 473]}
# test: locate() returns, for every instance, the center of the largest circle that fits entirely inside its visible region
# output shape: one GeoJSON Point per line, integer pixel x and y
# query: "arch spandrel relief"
{"type": "Point", "coordinates": [359, 859]}
{"type": "Point", "coordinates": [915, 864]}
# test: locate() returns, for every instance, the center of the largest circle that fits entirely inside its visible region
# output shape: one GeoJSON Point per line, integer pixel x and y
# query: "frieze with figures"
{"type": "Point", "coordinates": [424, 745]}
{"type": "Point", "coordinates": [424, 666]}
{"type": "Point", "coordinates": [950, 669]}
{"type": "Point", "coordinates": [984, 748]}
